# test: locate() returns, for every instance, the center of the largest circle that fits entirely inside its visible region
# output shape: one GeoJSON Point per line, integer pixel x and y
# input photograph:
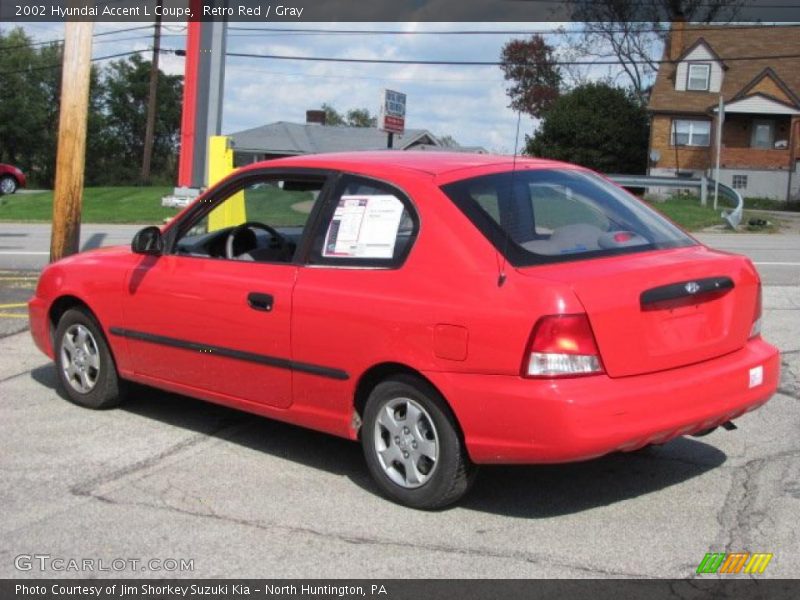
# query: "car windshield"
{"type": "Point", "coordinates": [545, 215]}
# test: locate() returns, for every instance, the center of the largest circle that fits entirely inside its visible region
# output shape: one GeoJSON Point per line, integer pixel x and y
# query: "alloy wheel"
{"type": "Point", "coordinates": [80, 359]}
{"type": "Point", "coordinates": [406, 442]}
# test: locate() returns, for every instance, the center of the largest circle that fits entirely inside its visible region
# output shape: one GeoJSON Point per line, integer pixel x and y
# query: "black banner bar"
{"type": "Point", "coordinates": [735, 587]}
{"type": "Point", "coordinates": [324, 11]}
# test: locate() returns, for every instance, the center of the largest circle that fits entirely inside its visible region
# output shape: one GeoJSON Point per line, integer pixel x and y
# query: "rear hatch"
{"type": "Point", "coordinates": [658, 310]}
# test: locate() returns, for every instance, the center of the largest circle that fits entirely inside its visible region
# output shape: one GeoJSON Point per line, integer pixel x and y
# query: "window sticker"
{"type": "Point", "coordinates": [364, 227]}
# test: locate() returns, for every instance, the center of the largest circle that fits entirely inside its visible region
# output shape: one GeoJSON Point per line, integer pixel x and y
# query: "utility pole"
{"type": "Point", "coordinates": [151, 101]}
{"type": "Point", "coordinates": [71, 157]}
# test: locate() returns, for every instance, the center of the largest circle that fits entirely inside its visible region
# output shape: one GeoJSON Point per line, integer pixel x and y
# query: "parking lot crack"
{"type": "Point", "coordinates": [739, 516]}
{"type": "Point", "coordinates": [14, 376]}
{"type": "Point", "coordinates": [538, 559]}
{"type": "Point", "coordinates": [87, 488]}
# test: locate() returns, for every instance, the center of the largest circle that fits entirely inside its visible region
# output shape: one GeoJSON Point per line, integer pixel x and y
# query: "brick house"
{"type": "Point", "coordinates": [760, 152]}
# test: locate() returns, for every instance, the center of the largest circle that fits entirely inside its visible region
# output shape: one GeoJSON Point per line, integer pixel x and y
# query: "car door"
{"type": "Point", "coordinates": [213, 314]}
{"type": "Point", "coordinates": [352, 291]}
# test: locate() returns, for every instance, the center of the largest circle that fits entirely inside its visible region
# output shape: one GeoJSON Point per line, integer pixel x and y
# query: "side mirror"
{"type": "Point", "coordinates": [148, 241]}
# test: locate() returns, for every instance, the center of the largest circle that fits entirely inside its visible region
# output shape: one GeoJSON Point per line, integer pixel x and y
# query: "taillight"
{"type": "Point", "coordinates": [562, 346]}
{"type": "Point", "coordinates": [755, 329]}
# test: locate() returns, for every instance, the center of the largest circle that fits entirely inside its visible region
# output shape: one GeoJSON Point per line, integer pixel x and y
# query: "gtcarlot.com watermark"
{"type": "Point", "coordinates": [60, 564]}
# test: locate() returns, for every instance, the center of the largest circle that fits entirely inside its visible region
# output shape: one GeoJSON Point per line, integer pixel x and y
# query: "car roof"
{"type": "Point", "coordinates": [432, 163]}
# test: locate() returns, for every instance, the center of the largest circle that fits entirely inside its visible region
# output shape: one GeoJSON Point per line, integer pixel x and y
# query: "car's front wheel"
{"type": "Point", "coordinates": [8, 185]}
{"type": "Point", "coordinates": [412, 445]}
{"type": "Point", "coordinates": [85, 367]}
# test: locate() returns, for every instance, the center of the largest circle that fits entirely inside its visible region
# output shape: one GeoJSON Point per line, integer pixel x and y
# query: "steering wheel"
{"type": "Point", "coordinates": [239, 229]}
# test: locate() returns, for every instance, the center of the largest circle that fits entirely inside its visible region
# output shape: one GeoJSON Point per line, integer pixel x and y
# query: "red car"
{"type": "Point", "coordinates": [447, 310]}
{"type": "Point", "coordinates": [11, 178]}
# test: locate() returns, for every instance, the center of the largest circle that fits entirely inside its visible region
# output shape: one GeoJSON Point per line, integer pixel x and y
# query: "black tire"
{"type": "Point", "coordinates": [89, 362]}
{"type": "Point", "coordinates": [8, 185]}
{"type": "Point", "coordinates": [447, 478]}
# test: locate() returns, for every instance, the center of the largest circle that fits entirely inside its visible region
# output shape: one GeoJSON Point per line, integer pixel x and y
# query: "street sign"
{"type": "Point", "coordinates": [393, 112]}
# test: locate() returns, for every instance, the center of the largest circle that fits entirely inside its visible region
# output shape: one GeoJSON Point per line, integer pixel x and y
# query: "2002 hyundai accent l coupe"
{"type": "Point", "coordinates": [448, 310]}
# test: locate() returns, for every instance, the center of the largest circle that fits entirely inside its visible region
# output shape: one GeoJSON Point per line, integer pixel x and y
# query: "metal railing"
{"type": "Point", "coordinates": [704, 184]}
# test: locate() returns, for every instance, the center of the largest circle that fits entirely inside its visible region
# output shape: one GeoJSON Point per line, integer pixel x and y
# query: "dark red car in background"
{"type": "Point", "coordinates": [11, 179]}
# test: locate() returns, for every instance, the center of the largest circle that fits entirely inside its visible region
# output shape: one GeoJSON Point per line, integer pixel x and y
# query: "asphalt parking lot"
{"type": "Point", "coordinates": [167, 477]}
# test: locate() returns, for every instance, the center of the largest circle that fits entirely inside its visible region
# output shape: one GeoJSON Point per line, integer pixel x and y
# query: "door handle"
{"type": "Point", "coordinates": [259, 301]}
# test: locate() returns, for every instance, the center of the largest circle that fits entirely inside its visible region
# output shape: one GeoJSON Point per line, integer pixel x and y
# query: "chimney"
{"type": "Point", "coordinates": [315, 117]}
{"type": "Point", "coordinates": [676, 37]}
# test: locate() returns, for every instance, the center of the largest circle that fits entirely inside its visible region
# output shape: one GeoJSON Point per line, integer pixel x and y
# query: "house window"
{"type": "Point", "coordinates": [740, 182]}
{"type": "Point", "coordinates": [763, 134]}
{"type": "Point", "coordinates": [698, 77]}
{"type": "Point", "coordinates": [687, 132]}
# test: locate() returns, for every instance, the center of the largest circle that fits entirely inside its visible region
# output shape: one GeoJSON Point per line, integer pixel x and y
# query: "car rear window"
{"type": "Point", "coordinates": [547, 215]}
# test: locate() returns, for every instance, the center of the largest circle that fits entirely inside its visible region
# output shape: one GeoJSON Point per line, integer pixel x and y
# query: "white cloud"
{"type": "Point", "coordinates": [468, 103]}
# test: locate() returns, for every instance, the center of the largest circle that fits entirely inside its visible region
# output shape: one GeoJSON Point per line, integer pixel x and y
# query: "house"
{"type": "Point", "coordinates": [760, 147]}
{"type": "Point", "coordinates": [275, 140]}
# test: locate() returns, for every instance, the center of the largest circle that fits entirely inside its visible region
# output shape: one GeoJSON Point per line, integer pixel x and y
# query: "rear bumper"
{"type": "Point", "coordinates": [509, 419]}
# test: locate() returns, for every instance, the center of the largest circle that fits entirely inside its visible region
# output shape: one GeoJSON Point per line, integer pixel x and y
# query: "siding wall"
{"type": "Point", "coordinates": [699, 54]}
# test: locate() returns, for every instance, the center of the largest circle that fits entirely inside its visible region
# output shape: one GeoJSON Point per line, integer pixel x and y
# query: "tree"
{"type": "Point", "coordinates": [124, 114]}
{"type": "Point", "coordinates": [633, 32]}
{"type": "Point", "coordinates": [535, 78]}
{"type": "Point", "coordinates": [24, 95]}
{"type": "Point", "coordinates": [448, 141]}
{"type": "Point", "coordinates": [355, 117]}
{"type": "Point", "coordinates": [597, 126]}
{"type": "Point", "coordinates": [361, 117]}
{"type": "Point", "coordinates": [332, 116]}
{"type": "Point", "coordinates": [30, 95]}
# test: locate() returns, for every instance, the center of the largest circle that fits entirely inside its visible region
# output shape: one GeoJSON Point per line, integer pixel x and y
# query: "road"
{"type": "Point", "coordinates": [165, 476]}
{"type": "Point", "coordinates": [26, 246]}
{"type": "Point", "coordinates": [777, 256]}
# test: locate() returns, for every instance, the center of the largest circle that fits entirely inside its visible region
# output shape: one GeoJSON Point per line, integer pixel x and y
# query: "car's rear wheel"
{"type": "Point", "coordinates": [8, 185]}
{"type": "Point", "coordinates": [412, 445]}
{"type": "Point", "coordinates": [84, 364]}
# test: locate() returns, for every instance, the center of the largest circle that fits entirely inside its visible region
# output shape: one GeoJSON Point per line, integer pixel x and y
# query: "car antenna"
{"type": "Point", "coordinates": [501, 277]}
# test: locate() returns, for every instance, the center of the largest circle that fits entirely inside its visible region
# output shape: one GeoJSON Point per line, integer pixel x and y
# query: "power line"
{"type": "Point", "coordinates": [480, 63]}
{"type": "Point", "coordinates": [57, 66]}
{"type": "Point", "coordinates": [306, 31]}
{"type": "Point", "coordinates": [61, 40]}
{"type": "Point", "coordinates": [123, 30]}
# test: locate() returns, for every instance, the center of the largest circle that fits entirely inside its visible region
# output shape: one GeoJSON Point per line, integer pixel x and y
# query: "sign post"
{"type": "Point", "coordinates": [392, 117]}
{"type": "Point", "coordinates": [718, 144]}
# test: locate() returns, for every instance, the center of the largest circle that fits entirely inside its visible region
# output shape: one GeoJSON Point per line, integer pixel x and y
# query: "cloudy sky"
{"type": "Point", "coordinates": [466, 102]}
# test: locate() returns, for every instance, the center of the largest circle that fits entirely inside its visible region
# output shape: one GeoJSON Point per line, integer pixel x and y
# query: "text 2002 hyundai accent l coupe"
{"type": "Point", "coordinates": [448, 310]}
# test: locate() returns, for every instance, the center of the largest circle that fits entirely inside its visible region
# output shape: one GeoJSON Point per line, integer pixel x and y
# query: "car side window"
{"type": "Point", "coordinates": [261, 220]}
{"type": "Point", "coordinates": [366, 224]}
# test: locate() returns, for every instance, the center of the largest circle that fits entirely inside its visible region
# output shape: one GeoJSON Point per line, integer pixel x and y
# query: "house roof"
{"type": "Point", "coordinates": [701, 42]}
{"type": "Point", "coordinates": [756, 103]}
{"type": "Point", "coordinates": [299, 138]}
{"type": "Point", "coordinates": [771, 74]}
{"type": "Point", "coordinates": [740, 74]}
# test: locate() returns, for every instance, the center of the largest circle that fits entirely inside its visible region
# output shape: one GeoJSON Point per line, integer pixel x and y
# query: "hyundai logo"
{"type": "Point", "coordinates": [692, 287]}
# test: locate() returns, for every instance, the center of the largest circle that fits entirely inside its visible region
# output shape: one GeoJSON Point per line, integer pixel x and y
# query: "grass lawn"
{"type": "Point", "coordinates": [692, 216]}
{"type": "Point", "coordinates": [689, 213]}
{"type": "Point", "coordinates": [280, 207]}
{"type": "Point", "coordinates": [100, 205]}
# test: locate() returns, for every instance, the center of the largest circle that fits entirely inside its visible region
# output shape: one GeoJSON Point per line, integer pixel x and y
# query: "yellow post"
{"type": "Point", "coordinates": [220, 165]}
